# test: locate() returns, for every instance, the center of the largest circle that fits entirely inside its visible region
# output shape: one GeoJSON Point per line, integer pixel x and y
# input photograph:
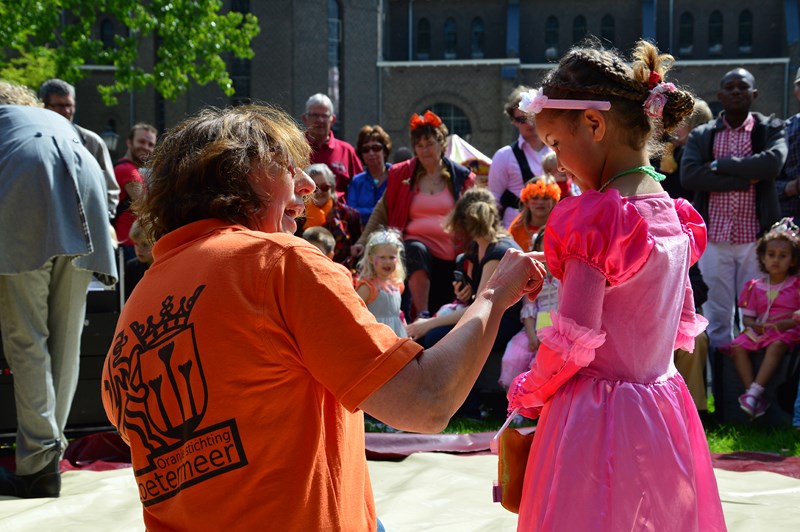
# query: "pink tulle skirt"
{"type": "Point", "coordinates": [614, 455]}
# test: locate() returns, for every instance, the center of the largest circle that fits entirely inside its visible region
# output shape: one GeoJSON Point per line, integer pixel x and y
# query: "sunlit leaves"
{"type": "Point", "coordinates": [55, 38]}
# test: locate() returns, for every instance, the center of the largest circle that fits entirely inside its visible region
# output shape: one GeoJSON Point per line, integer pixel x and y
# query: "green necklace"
{"type": "Point", "coordinates": [649, 170]}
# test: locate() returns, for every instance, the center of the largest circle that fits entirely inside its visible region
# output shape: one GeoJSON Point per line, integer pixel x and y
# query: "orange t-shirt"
{"type": "Point", "coordinates": [522, 233]}
{"type": "Point", "coordinates": [238, 397]}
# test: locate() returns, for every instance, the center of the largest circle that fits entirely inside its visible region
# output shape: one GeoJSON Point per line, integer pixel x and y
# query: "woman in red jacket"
{"type": "Point", "coordinates": [420, 193]}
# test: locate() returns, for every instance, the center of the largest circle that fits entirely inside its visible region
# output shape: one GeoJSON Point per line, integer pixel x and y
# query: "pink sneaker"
{"type": "Point", "coordinates": [753, 406]}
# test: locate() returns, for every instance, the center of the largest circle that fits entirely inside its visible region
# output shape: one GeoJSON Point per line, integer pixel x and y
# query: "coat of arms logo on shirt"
{"type": "Point", "coordinates": [161, 396]}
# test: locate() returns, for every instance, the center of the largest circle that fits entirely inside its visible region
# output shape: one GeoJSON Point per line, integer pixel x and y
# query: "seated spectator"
{"type": "Point", "coordinates": [420, 193]}
{"type": "Point", "coordinates": [322, 239]}
{"type": "Point", "coordinates": [476, 222]}
{"type": "Point", "coordinates": [565, 183]}
{"type": "Point", "coordinates": [373, 148]}
{"type": "Point", "coordinates": [538, 198]}
{"type": "Point", "coordinates": [135, 267]}
{"type": "Point", "coordinates": [324, 208]}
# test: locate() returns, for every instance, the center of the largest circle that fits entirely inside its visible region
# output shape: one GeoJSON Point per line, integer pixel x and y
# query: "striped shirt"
{"type": "Point", "coordinates": [732, 215]}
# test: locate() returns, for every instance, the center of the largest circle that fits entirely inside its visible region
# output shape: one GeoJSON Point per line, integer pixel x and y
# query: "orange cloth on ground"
{"type": "Point", "coordinates": [522, 233]}
{"type": "Point", "coordinates": [238, 397]}
{"type": "Point", "coordinates": [317, 216]}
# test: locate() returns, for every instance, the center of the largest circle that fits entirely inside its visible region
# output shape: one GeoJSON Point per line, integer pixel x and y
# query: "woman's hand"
{"type": "Point", "coordinates": [517, 274]}
{"type": "Point", "coordinates": [463, 292]}
{"type": "Point", "coordinates": [356, 250]}
{"type": "Point", "coordinates": [419, 328]}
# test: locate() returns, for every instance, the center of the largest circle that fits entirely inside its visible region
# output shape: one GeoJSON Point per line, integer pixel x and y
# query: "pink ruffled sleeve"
{"type": "Point", "coordinates": [566, 348]}
{"type": "Point", "coordinates": [693, 226]}
{"type": "Point", "coordinates": [603, 231]}
{"type": "Point", "coordinates": [691, 324]}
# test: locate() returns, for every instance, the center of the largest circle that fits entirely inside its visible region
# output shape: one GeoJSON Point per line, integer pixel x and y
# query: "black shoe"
{"type": "Point", "coordinates": [44, 483]}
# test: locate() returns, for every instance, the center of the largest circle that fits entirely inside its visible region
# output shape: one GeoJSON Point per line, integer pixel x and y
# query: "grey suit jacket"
{"type": "Point", "coordinates": [53, 197]}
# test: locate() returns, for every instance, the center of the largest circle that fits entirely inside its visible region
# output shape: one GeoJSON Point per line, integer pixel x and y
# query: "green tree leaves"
{"type": "Point", "coordinates": [41, 39]}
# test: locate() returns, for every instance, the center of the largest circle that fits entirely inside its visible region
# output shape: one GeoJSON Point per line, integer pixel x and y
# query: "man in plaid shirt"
{"type": "Point", "coordinates": [788, 183]}
{"type": "Point", "coordinates": [731, 164]}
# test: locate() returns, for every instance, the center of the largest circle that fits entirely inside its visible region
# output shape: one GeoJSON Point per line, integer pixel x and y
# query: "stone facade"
{"type": "Point", "coordinates": [382, 80]}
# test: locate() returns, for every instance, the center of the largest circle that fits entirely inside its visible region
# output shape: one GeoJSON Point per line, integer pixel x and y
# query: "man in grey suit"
{"type": "Point", "coordinates": [54, 235]}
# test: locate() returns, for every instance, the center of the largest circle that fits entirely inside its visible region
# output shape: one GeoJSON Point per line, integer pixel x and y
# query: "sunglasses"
{"type": "Point", "coordinates": [374, 148]}
{"type": "Point", "coordinates": [520, 119]}
{"type": "Point", "coordinates": [323, 188]}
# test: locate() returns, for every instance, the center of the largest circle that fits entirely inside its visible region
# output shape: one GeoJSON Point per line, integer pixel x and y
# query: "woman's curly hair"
{"type": "Point", "coordinates": [202, 167]}
{"type": "Point", "coordinates": [590, 72]}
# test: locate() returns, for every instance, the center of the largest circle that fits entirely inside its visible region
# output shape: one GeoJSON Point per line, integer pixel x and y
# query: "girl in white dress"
{"type": "Point", "coordinates": [381, 276]}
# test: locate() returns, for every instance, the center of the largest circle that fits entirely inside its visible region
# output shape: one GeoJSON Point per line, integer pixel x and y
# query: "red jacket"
{"type": "Point", "coordinates": [400, 188]}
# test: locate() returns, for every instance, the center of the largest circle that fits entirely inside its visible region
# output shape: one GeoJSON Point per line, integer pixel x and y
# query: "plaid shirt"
{"type": "Point", "coordinates": [790, 206]}
{"type": "Point", "coordinates": [732, 215]}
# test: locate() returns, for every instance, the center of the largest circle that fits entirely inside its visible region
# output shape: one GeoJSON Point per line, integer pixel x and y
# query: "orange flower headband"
{"type": "Point", "coordinates": [428, 119]}
{"type": "Point", "coordinates": [540, 189]}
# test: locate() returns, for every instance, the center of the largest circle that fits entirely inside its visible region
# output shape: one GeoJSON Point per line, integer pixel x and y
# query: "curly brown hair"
{"type": "Point", "coordinates": [590, 72]}
{"type": "Point", "coordinates": [376, 134]}
{"type": "Point", "coordinates": [201, 167]}
{"type": "Point", "coordinates": [769, 236]}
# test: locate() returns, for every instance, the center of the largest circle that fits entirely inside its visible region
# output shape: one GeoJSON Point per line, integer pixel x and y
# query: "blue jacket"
{"type": "Point", "coordinates": [362, 194]}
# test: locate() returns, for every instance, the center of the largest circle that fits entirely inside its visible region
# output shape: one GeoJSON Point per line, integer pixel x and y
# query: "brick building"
{"type": "Point", "coordinates": [382, 60]}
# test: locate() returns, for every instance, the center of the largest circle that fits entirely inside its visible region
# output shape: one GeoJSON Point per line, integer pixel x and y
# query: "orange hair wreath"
{"type": "Point", "coordinates": [429, 119]}
{"type": "Point", "coordinates": [540, 189]}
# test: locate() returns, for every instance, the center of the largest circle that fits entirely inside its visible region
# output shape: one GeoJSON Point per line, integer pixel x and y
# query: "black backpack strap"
{"type": "Point", "coordinates": [522, 161]}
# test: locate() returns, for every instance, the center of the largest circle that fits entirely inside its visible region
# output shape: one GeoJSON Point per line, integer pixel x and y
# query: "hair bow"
{"type": "Point", "coordinates": [657, 99]}
{"type": "Point", "coordinates": [428, 119]}
{"type": "Point", "coordinates": [653, 80]}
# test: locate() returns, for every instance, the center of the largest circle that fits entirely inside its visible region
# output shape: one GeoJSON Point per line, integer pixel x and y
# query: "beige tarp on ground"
{"type": "Point", "coordinates": [426, 491]}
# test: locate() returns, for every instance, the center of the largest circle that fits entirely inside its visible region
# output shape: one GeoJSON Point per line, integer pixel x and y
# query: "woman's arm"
{"type": "Point", "coordinates": [424, 394]}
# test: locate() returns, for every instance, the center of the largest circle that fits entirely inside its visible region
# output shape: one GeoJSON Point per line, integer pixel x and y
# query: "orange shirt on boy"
{"type": "Point", "coordinates": [239, 397]}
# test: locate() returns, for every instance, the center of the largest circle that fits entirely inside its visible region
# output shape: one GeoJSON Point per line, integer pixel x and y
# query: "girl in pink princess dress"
{"type": "Point", "coordinates": [767, 304]}
{"type": "Point", "coordinates": [619, 444]}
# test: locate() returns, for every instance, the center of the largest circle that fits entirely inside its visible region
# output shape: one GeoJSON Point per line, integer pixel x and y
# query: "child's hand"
{"type": "Point", "coordinates": [758, 327]}
{"type": "Point", "coordinates": [533, 343]}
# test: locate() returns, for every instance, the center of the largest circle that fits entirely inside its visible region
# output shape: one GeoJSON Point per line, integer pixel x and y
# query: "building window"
{"type": "Point", "coordinates": [551, 38]}
{"type": "Point", "coordinates": [476, 38]}
{"type": "Point", "coordinates": [240, 69]}
{"type": "Point", "coordinates": [450, 38]}
{"type": "Point", "coordinates": [746, 32]}
{"type": "Point", "coordinates": [607, 29]}
{"type": "Point", "coordinates": [578, 28]}
{"type": "Point", "coordinates": [423, 39]}
{"type": "Point", "coordinates": [686, 34]}
{"type": "Point", "coordinates": [107, 33]}
{"type": "Point", "coordinates": [454, 118]}
{"type": "Point", "coordinates": [715, 33]}
{"type": "Point", "coordinates": [334, 54]}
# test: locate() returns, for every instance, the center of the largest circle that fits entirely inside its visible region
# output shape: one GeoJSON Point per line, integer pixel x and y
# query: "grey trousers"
{"type": "Point", "coordinates": [41, 318]}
